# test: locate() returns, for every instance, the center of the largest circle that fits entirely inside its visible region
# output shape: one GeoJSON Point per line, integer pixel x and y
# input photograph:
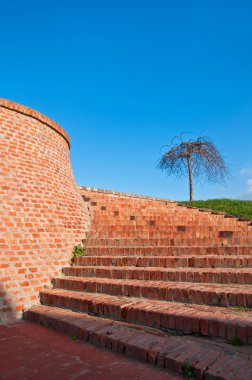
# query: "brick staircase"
{"type": "Point", "coordinates": [162, 283]}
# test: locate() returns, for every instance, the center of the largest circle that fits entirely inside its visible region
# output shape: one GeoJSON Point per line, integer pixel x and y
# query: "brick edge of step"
{"type": "Point", "coordinates": [205, 361]}
{"type": "Point", "coordinates": [187, 261]}
{"type": "Point", "coordinates": [227, 295]}
{"type": "Point", "coordinates": [228, 276]}
{"type": "Point", "coordinates": [168, 317]}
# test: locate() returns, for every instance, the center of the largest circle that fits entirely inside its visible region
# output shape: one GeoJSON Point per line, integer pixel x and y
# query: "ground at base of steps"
{"type": "Point", "coordinates": [30, 351]}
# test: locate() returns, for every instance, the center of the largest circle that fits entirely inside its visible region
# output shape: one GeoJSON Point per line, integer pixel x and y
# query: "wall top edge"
{"type": "Point", "coordinates": [16, 107]}
{"type": "Point", "coordinates": [128, 195]}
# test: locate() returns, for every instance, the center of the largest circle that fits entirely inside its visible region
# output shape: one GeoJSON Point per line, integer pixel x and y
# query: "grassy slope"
{"type": "Point", "coordinates": [230, 206]}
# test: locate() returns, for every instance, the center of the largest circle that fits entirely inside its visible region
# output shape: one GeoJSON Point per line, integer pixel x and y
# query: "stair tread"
{"type": "Point", "coordinates": [158, 273]}
{"type": "Point", "coordinates": [164, 284]}
{"type": "Point", "coordinates": [172, 246]}
{"type": "Point", "coordinates": [227, 313]}
{"type": "Point", "coordinates": [177, 269]}
{"type": "Point", "coordinates": [172, 257]}
{"type": "Point", "coordinates": [168, 257]}
{"type": "Point", "coordinates": [162, 257]}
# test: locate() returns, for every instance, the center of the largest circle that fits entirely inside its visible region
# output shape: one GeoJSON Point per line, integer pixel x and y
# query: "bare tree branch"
{"type": "Point", "coordinates": [198, 158]}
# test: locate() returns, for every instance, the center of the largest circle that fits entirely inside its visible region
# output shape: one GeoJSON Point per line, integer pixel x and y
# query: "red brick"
{"type": "Point", "coordinates": [40, 197]}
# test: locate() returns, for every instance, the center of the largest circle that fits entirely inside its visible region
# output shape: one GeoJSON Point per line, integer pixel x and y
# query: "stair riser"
{"type": "Point", "coordinates": [150, 234]}
{"type": "Point", "coordinates": [175, 226]}
{"type": "Point", "coordinates": [172, 242]}
{"type": "Point", "coordinates": [125, 224]}
{"type": "Point", "coordinates": [167, 262]}
{"type": "Point", "coordinates": [160, 213]}
{"type": "Point", "coordinates": [169, 251]}
{"type": "Point", "coordinates": [200, 297]}
{"type": "Point", "coordinates": [166, 321]}
{"type": "Point", "coordinates": [159, 275]}
{"type": "Point", "coordinates": [129, 209]}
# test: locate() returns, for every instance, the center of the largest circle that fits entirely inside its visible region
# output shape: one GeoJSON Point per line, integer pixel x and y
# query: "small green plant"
{"type": "Point", "coordinates": [74, 337]}
{"type": "Point", "coordinates": [78, 250]}
{"type": "Point", "coordinates": [186, 371]}
{"type": "Point", "coordinates": [236, 342]}
{"type": "Point", "coordinates": [240, 309]}
{"type": "Point", "coordinates": [176, 333]}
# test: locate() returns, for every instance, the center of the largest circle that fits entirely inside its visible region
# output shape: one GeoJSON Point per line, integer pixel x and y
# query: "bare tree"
{"type": "Point", "coordinates": [198, 158]}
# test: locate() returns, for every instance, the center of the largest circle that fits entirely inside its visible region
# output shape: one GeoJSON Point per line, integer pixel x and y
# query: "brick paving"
{"type": "Point", "coordinates": [30, 351]}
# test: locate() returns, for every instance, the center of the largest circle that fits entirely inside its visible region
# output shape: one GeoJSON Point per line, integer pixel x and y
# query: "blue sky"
{"type": "Point", "coordinates": [124, 77]}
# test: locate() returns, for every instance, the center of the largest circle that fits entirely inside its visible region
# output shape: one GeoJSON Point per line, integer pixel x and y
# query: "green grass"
{"type": "Point", "coordinates": [230, 206]}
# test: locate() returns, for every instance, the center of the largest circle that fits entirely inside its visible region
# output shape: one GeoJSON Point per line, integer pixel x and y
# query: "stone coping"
{"type": "Point", "coordinates": [35, 115]}
{"type": "Point", "coordinates": [128, 195]}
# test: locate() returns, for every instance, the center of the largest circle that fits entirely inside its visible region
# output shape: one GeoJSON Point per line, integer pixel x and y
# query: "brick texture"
{"type": "Point", "coordinates": [160, 282]}
{"type": "Point", "coordinates": [42, 213]}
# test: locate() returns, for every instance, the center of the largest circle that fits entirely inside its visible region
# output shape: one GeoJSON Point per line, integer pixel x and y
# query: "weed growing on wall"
{"type": "Point", "coordinates": [78, 251]}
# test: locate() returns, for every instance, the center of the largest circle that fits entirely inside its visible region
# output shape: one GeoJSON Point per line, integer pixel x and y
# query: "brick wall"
{"type": "Point", "coordinates": [42, 213]}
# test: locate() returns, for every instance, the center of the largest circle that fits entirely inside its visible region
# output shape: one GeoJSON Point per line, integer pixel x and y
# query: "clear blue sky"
{"type": "Point", "coordinates": [124, 77]}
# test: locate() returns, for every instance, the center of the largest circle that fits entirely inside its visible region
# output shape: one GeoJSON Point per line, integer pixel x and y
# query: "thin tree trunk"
{"type": "Point", "coordinates": [190, 179]}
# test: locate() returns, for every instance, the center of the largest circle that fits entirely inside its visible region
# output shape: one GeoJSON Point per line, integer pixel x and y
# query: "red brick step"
{"type": "Point", "coordinates": [170, 251]}
{"type": "Point", "coordinates": [223, 323]}
{"type": "Point", "coordinates": [201, 294]}
{"type": "Point", "coordinates": [220, 275]}
{"type": "Point", "coordinates": [169, 241]}
{"type": "Point", "coordinates": [209, 261]}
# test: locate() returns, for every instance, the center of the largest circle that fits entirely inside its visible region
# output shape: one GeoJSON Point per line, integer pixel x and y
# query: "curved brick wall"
{"type": "Point", "coordinates": [42, 213]}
